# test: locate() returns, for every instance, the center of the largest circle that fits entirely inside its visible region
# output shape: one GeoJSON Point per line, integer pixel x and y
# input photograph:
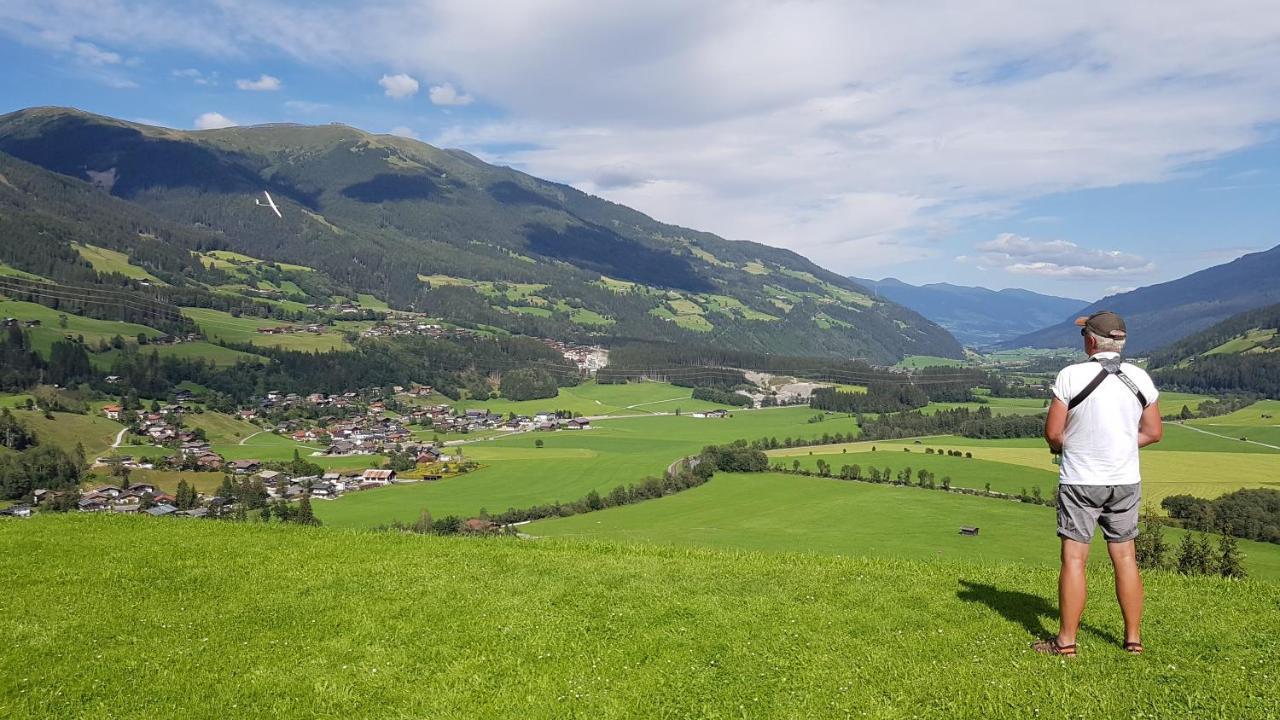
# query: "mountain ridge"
{"type": "Point", "coordinates": [379, 213]}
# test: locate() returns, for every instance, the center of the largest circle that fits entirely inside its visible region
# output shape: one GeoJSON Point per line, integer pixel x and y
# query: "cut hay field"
{"type": "Point", "coordinates": [780, 512]}
{"type": "Point", "coordinates": [1201, 472]}
{"type": "Point", "coordinates": [615, 451]}
{"type": "Point", "coordinates": [320, 623]}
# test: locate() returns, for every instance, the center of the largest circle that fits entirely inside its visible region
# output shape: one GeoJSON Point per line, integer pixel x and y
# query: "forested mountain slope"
{"type": "Point", "coordinates": [443, 232]}
{"type": "Point", "coordinates": [1239, 354]}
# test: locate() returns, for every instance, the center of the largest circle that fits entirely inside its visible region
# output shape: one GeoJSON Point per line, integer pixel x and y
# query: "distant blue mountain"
{"type": "Point", "coordinates": [976, 316]}
{"type": "Point", "coordinates": [1157, 315]}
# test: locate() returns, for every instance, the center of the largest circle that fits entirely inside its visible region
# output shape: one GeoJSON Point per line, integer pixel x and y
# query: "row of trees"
{"type": "Point", "coordinates": [723, 397]}
{"type": "Point", "coordinates": [21, 367]}
{"type": "Point", "coordinates": [739, 456]}
{"type": "Point", "coordinates": [1194, 555]}
{"type": "Point", "coordinates": [43, 466]}
{"type": "Point", "coordinates": [980, 423]}
{"type": "Point", "coordinates": [1253, 514]}
{"type": "Point", "coordinates": [906, 477]}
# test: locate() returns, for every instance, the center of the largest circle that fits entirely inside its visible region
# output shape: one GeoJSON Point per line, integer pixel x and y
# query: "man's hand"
{"type": "Point", "coordinates": [1150, 427]}
{"type": "Point", "coordinates": [1055, 426]}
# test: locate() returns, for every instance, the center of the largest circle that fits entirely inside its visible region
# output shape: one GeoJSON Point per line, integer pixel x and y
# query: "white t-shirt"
{"type": "Point", "coordinates": [1101, 442]}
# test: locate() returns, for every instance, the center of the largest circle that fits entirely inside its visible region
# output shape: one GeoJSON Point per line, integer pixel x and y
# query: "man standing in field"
{"type": "Point", "coordinates": [1103, 410]}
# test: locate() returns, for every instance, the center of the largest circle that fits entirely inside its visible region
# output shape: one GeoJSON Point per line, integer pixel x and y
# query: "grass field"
{"type": "Point", "coordinates": [964, 472]}
{"type": "Point", "coordinates": [50, 331]}
{"type": "Point", "coordinates": [10, 271]}
{"type": "Point", "coordinates": [112, 261]}
{"type": "Point", "coordinates": [218, 325]}
{"type": "Point", "coordinates": [201, 349]}
{"type": "Point", "coordinates": [593, 400]}
{"type": "Point", "coordinates": [613, 452]}
{"type": "Point", "coordinates": [316, 623]}
{"type": "Point", "coordinates": [1259, 422]}
{"type": "Point", "coordinates": [778, 512]}
{"type": "Point", "coordinates": [1203, 473]}
{"type": "Point", "coordinates": [167, 480]}
{"type": "Point", "coordinates": [92, 430]}
{"type": "Point", "coordinates": [220, 428]}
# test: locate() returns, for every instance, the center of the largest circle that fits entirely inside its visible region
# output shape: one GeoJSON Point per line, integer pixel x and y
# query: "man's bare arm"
{"type": "Point", "coordinates": [1150, 428]}
{"type": "Point", "coordinates": [1055, 425]}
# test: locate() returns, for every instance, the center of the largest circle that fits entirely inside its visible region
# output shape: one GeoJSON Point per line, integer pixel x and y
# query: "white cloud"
{"type": "Point", "coordinates": [263, 83]}
{"type": "Point", "coordinates": [1058, 258]}
{"type": "Point", "coordinates": [214, 120]}
{"type": "Point", "coordinates": [399, 86]}
{"type": "Point", "coordinates": [196, 76]}
{"type": "Point", "coordinates": [94, 55]}
{"type": "Point", "coordinates": [402, 131]}
{"type": "Point", "coordinates": [447, 94]}
{"type": "Point", "coordinates": [855, 130]}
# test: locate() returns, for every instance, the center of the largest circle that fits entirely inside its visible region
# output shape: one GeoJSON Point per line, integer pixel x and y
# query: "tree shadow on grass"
{"type": "Point", "coordinates": [1025, 609]}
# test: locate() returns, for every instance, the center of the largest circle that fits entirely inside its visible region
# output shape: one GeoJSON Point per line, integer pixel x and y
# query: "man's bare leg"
{"type": "Point", "coordinates": [1071, 589]}
{"type": "Point", "coordinates": [1128, 588]}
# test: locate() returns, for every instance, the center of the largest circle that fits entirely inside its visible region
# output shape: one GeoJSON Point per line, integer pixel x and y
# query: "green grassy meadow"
{"type": "Point", "coordinates": [105, 260]}
{"type": "Point", "coordinates": [591, 399]}
{"type": "Point", "coordinates": [791, 513]}
{"type": "Point", "coordinates": [388, 625]}
{"type": "Point", "coordinates": [218, 325]}
{"type": "Point", "coordinates": [49, 332]}
{"type": "Point", "coordinates": [91, 430]}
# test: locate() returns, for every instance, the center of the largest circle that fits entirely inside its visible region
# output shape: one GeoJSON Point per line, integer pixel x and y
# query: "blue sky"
{"type": "Point", "coordinates": [1073, 150]}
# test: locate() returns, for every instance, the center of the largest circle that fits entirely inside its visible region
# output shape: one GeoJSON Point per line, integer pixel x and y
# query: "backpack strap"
{"type": "Point", "coordinates": [1109, 367]}
{"type": "Point", "coordinates": [1088, 389]}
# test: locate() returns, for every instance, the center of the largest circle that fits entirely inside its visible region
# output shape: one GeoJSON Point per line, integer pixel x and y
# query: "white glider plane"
{"type": "Point", "coordinates": [269, 203]}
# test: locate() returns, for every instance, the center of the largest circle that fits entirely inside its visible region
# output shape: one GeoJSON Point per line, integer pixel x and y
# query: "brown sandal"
{"type": "Point", "coordinates": [1051, 647]}
{"type": "Point", "coordinates": [1133, 647]}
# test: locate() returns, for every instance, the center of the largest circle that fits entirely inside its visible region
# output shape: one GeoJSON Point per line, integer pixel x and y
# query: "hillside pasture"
{"type": "Point", "coordinates": [92, 430]}
{"type": "Point", "coordinates": [201, 349]}
{"type": "Point", "coordinates": [218, 325]}
{"type": "Point", "coordinates": [105, 260]}
{"type": "Point", "coordinates": [51, 331]}
{"type": "Point", "coordinates": [448, 627]}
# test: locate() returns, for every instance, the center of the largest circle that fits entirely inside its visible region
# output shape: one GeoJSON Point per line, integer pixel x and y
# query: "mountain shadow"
{"type": "Point", "coordinates": [509, 193]}
{"type": "Point", "coordinates": [75, 145]}
{"type": "Point", "coordinates": [606, 252]}
{"type": "Point", "coordinates": [386, 187]}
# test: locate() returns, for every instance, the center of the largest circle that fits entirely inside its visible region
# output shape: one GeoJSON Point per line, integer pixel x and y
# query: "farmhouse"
{"type": "Point", "coordinates": [112, 411]}
{"type": "Point", "coordinates": [378, 476]}
{"type": "Point", "coordinates": [244, 467]}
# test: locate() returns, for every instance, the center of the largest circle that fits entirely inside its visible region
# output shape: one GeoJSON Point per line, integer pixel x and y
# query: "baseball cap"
{"type": "Point", "coordinates": [1104, 323]}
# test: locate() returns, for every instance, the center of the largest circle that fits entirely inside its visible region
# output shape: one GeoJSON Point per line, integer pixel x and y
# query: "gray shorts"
{"type": "Point", "coordinates": [1082, 508]}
